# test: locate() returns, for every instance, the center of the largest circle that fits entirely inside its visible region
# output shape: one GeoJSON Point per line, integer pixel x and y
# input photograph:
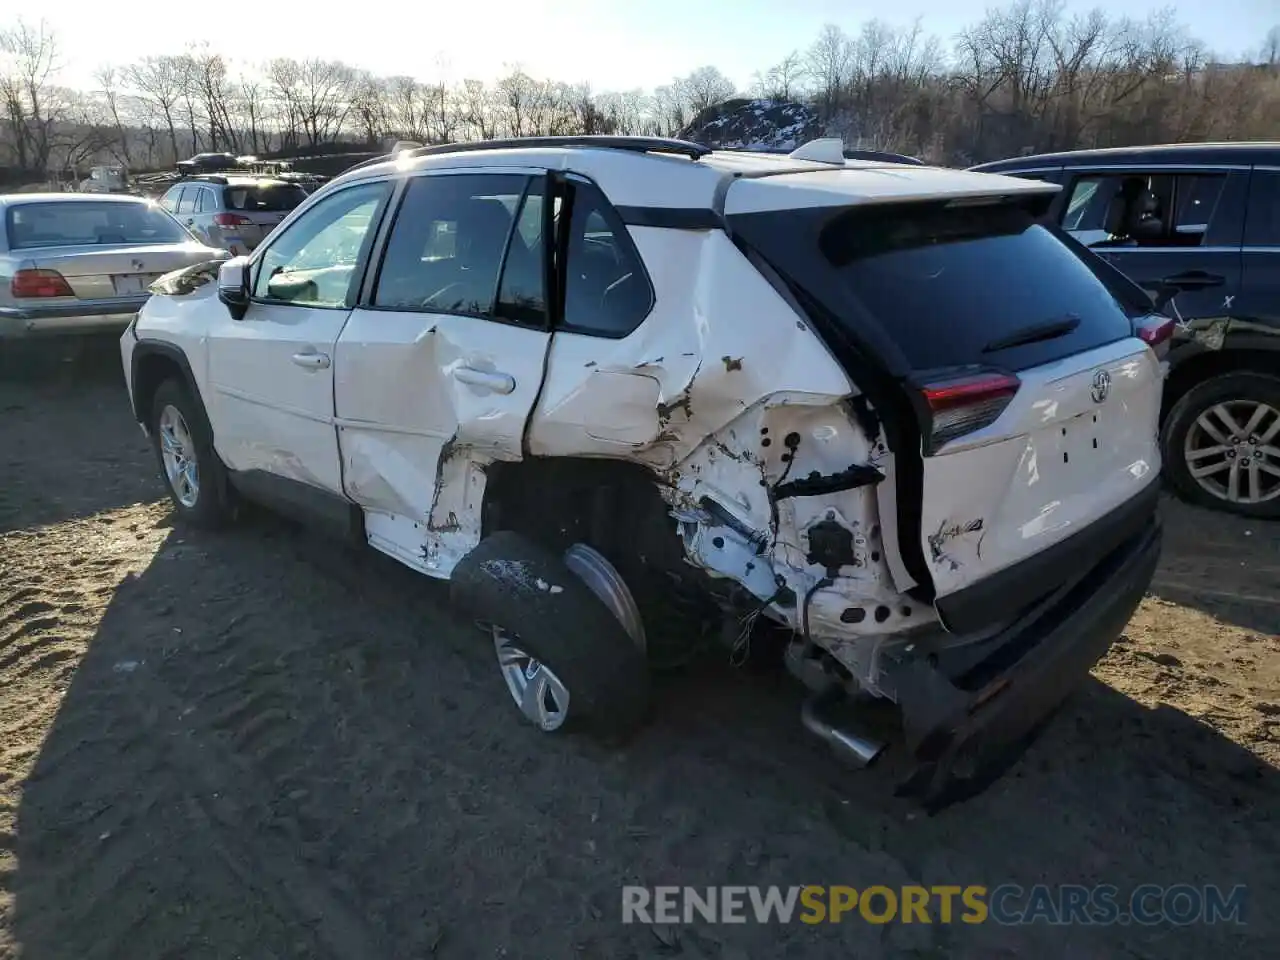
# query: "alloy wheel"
{"type": "Point", "coordinates": [1233, 453]}
{"type": "Point", "coordinates": [178, 452]}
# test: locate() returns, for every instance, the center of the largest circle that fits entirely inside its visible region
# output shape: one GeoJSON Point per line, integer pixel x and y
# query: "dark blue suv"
{"type": "Point", "coordinates": [1197, 226]}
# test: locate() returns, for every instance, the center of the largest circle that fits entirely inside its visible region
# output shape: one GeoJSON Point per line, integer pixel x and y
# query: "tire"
{"type": "Point", "coordinates": [527, 591]}
{"type": "Point", "coordinates": [1230, 389]}
{"type": "Point", "coordinates": [209, 507]}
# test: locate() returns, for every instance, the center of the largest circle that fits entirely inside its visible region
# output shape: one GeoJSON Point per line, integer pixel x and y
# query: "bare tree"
{"type": "Point", "coordinates": [1270, 53]}
{"type": "Point", "coordinates": [158, 84]}
{"type": "Point", "coordinates": [32, 105]}
{"type": "Point", "coordinates": [829, 65]}
{"type": "Point", "coordinates": [781, 81]}
{"type": "Point", "coordinates": [108, 79]}
{"type": "Point", "coordinates": [707, 87]}
{"type": "Point", "coordinates": [250, 107]}
{"type": "Point", "coordinates": [479, 109]}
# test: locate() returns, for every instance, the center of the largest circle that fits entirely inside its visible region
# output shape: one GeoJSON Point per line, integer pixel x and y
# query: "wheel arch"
{"type": "Point", "coordinates": [561, 500]}
{"type": "Point", "coordinates": [153, 362]}
{"type": "Point", "coordinates": [1199, 363]}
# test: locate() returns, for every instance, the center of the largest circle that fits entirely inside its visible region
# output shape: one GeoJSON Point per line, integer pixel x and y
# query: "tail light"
{"type": "Point", "coordinates": [230, 219]}
{"type": "Point", "coordinates": [40, 283]}
{"type": "Point", "coordinates": [960, 405]}
{"type": "Point", "coordinates": [1155, 332]}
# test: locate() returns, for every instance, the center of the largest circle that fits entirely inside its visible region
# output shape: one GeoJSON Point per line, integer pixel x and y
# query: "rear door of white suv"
{"type": "Point", "coordinates": [271, 373]}
{"type": "Point", "coordinates": [1020, 405]}
{"type": "Point", "coordinates": [445, 352]}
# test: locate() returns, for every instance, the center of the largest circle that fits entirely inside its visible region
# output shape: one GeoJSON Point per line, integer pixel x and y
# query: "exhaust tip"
{"type": "Point", "coordinates": [859, 750]}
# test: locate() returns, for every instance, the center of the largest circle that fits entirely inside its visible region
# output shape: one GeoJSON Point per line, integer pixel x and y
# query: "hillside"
{"type": "Point", "coordinates": [743, 124]}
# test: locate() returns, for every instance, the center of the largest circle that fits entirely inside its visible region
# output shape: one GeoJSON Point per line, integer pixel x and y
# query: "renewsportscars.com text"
{"type": "Point", "coordinates": [1007, 904]}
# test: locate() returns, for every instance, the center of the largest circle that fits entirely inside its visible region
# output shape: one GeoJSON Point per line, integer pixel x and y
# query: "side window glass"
{"type": "Point", "coordinates": [188, 200]}
{"type": "Point", "coordinates": [607, 291]}
{"type": "Point", "coordinates": [170, 201]}
{"type": "Point", "coordinates": [200, 200]}
{"type": "Point", "coordinates": [313, 263]}
{"type": "Point", "coordinates": [1262, 226]}
{"type": "Point", "coordinates": [454, 240]}
{"type": "Point", "coordinates": [1197, 199]}
{"type": "Point", "coordinates": [1121, 210]}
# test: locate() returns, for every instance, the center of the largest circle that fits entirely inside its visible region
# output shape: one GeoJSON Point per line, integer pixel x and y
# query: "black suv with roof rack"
{"type": "Point", "coordinates": [1197, 226]}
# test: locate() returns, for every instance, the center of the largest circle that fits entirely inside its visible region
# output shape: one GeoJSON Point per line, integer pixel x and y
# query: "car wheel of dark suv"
{"type": "Point", "coordinates": [1221, 444]}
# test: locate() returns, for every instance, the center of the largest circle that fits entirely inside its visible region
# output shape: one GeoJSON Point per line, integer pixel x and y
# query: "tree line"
{"type": "Point", "coordinates": [1027, 77]}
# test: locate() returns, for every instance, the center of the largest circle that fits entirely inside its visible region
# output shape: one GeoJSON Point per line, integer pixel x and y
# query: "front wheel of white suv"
{"type": "Point", "coordinates": [194, 477]}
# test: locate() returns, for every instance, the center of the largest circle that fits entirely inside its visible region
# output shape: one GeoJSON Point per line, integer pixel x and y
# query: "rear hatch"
{"type": "Point", "coordinates": [254, 209]}
{"type": "Point", "coordinates": [1019, 405]}
{"type": "Point", "coordinates": [94, 250]}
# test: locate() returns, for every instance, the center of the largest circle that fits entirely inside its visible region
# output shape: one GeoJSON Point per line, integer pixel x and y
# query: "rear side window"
{"type": "Point", "coordinates": [170, 201]}
{"type": "Point", "coordinates": [1262, 224]}
{"type": "Point", "coordinates": [188, 202]}
{"type": "Point", "coordinates": [966, 285]}
{"type": "Point", "coordinates": [1145, 210]}
{"type": "Point", "coordinates": [263, 198]}
{"type": "Point", "coordinates": [464, 244]}
{"type": "Point", "coordinates": [202, 201]}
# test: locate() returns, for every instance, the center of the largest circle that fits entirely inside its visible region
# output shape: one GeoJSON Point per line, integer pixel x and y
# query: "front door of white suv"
{"type": "Point", "coordinates": [440, 365]}
{"type": "Point", "coordinates": [271, 372]}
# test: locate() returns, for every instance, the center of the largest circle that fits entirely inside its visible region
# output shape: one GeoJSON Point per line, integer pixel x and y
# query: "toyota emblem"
{"type": "Point", "coordinates": [1101, 386]}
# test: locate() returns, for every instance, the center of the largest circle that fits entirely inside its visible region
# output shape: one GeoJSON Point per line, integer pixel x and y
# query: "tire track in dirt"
{"type": "Point", "coordinates": [96, 880]}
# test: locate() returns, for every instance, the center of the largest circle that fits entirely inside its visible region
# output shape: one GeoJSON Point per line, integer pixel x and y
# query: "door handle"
{"type": "Point", "coordinates": [1193, 280]}
{"type": "Point", "coordinates": [312, 361]}
{"type": "Point", "coordinates": [497, 382]}
{"type": "Point", "coordinates": [191, 223]}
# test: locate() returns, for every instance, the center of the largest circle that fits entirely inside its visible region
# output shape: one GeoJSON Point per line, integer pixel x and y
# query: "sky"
{"type": "Point", "coordinates": [613, 44]}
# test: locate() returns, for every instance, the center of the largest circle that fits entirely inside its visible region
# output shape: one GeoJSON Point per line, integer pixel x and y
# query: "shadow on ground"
{"type": "Point", "coordinates": [272, 748]}
{"type": "Point", "coordinates": [1227, 566]}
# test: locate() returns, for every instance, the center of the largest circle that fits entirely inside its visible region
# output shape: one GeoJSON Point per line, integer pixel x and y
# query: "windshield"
{"type": "Point", "coordinates": [76, 223]}
{"type": "Point", "coordinates": [264, 197]}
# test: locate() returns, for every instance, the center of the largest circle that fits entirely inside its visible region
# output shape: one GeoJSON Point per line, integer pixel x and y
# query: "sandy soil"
{"type": "Point", "coordinates": [259, 745]}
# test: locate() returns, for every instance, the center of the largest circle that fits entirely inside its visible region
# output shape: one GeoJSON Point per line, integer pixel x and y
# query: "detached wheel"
{"type": "Point", "coordinates": [1221, 445]}
{"type": "Point", "coordinates": [192, 473]}
{"type": "Point", "coordinates": [564, 653]}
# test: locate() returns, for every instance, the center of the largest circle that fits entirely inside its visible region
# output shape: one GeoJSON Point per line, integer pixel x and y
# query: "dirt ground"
{"type": "Point", "coordinates": [259, 745]}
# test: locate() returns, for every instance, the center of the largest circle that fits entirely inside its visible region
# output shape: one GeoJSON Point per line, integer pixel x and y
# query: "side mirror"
{"type": "Point", "coordinates": [233, 286]}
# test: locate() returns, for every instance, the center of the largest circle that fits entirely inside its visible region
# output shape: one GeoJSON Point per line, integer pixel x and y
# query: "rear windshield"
{"type": "Point", "coordinates": [956, 285]}
{"type": "Point", "coordinates": [58, 224]}
{"type": "Point", "coordinates": [951, 285]}
{"type": "Point", "coordinates": [264, 197]}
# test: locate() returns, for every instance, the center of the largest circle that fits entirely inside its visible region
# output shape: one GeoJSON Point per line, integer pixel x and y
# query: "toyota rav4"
{"type": "Point", "coordinates": [596, 382]}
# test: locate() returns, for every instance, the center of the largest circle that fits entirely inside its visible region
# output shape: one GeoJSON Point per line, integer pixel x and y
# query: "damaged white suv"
{"type": "Point", "coordinates": [598, 381]}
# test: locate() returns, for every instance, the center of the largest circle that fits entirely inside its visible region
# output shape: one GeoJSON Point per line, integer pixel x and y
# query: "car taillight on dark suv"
{"type": "Point", "coordinates": [959, 405]}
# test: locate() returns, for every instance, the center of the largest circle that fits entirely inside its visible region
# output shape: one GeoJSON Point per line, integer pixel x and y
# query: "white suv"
{"type": "Point", "coordinates": [593, 381]}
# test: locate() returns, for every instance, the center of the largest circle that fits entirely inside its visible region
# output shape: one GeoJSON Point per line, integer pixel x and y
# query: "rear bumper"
{"type": "Point", "coordinates": [78, 317]}
{"type": "Point", "coordinates": [965, 727]}
{"type": "Point", "coordinates": [1022, 585]}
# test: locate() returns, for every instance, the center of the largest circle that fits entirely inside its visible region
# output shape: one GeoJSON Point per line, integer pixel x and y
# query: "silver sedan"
{"type": "Point", "coordinates": [78, 263]}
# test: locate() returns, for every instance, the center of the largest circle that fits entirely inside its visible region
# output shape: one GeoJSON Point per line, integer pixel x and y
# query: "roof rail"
{"type": "Point", "coordinates": [206, 177]}
{"type": "Point", "coordinates": [686, 148]}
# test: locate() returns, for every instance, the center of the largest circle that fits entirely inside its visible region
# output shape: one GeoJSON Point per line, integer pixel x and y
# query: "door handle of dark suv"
{"type": "Point", "coordinates": [1193, 280]}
